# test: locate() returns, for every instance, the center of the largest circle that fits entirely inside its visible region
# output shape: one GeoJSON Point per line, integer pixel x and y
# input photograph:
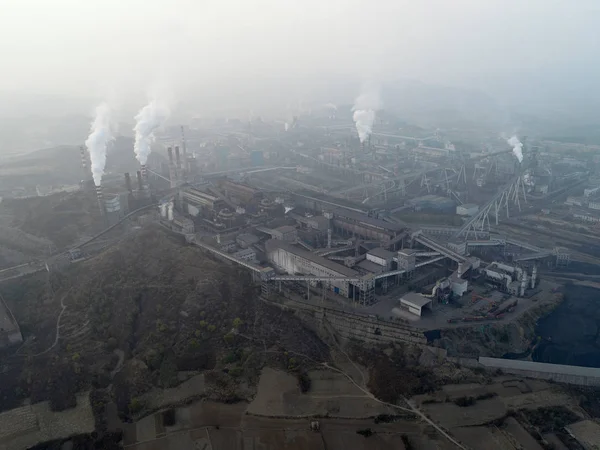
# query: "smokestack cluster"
{"type": "Point", "coordinates": [517, 147]}
{"type": "Point", "coordinates": [364, 109]}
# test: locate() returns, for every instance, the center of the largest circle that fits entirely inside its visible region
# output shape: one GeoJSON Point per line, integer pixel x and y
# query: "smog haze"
{"type": "Point", "coordinates": [271, 53]}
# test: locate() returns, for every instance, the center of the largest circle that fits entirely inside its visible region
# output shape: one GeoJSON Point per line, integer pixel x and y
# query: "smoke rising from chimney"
{"type": "Point", "coordinates": [147, 121]}
{"type": "Point", "coordinates": [100, 136]}
{"type": "Point", "coordinates": [517, 147]}
{"type": "Point", "coordinates": [287, 126]}
{"type": "Point", "coordinates": [364, 109]}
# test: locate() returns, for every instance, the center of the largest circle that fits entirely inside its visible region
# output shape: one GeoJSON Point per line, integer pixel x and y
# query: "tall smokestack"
{"type": "Point", "coordinates": [100, 199]}
{"type": "Point", "coordinates": [177, 158]}
{"type": "Point", "coordinates": [140, 181]}
{"type": "Point", "coordinates": [144, 171]}
{"type": "Point", "coordinates": [83, 159]}
{"type": "Point", "coordinates": [84, 165]}
{"type": "Point", "coordinates": [128, 182]}
{"type": "Point", "coordinates": [172, 174]}
{"type": "Point", "coordinates": [184, 149]}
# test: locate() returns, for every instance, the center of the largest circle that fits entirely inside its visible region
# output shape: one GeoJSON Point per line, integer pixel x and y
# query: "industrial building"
{"type": "Point", "coordinates": [246, 240]}
{"type": "Point", "coordinates": [286, 233]}
{"type": "Point", "coordinates": [511, 279]}
{"type": "Point", "coordinates": [414, 303]}
{"type": "Point", "coordinates": [195, 200]}
{"type": "Point", "coordinates": [246, 254]}
{"type": "Point", "coordinates": [330, 214]}
{"type": "Point", "coordinates": [351, 223]}
{"type": "Point", "coordinates": [293, 260]}
{"type": "Point", "coordinates": [381, 257]}
{"type": "Point", "coordinates": [241, 192]}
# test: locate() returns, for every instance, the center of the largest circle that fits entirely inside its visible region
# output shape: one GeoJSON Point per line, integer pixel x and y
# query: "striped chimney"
{"type": "Point", "coordinates": [100, 199]}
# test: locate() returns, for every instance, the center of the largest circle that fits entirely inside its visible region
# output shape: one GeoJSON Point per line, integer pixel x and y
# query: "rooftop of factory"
{"type": "Point", "coordinates": [273, 244]}
{"type": "Point", "coordinates": [416, 299]}
{"type": "Point", "coordinates": [286, 229]}
{"type": "Point", "coordinates": [363, 218]}
{"type": "Point", "coordinates": [247, 238]}
{"type": "Point", "coordinates": [321, 222]}
{"type": "Point", "coordinates": [370, 266]}
{"type": "Point", "coordinates": [469, 205]}
{"type": "Point", "coordinates": [381, 253]}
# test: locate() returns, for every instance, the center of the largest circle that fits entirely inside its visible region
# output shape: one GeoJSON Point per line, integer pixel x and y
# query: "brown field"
{"type": "Point", "coordinates": [331, 394]}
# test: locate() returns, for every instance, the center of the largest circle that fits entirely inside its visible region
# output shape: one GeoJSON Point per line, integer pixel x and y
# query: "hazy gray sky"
{"type": "Point", "coordinates": [110, 48]}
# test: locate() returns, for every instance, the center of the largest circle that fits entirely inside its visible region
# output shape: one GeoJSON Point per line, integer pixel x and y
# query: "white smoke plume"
{"type": "Point", "coordinates": [147, 121]}
{"type": "Point", "coordinates": [364, 109]}
{"type": "Point", "coordinates": [100, 136]}
{"type": "Point", "coordinates": [517, 147]}
{"type": "Point", "coordinates": [287, 126]}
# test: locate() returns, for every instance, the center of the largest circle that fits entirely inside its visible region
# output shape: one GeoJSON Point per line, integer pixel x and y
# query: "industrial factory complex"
{"type": "Point", "coordinates": [314, 213]}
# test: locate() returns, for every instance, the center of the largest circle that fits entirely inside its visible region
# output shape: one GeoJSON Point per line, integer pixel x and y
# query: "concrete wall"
{"type": "Point", "coordinates": [583, 376]}
{"type": "Point", "coordinates": [348, 325]}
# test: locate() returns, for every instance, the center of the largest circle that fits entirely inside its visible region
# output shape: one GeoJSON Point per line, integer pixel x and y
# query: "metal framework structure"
{"type": "Point", "coordinates": [511, 195]}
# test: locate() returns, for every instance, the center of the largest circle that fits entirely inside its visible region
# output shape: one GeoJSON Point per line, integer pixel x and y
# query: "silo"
{"type": "Point", "coordinates": [112, 206]}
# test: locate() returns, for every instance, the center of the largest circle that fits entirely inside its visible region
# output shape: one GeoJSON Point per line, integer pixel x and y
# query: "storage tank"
{"type": "Point", "coordinates": [112, 208]}
{"type": "Point", "coordinates": [112, 204]}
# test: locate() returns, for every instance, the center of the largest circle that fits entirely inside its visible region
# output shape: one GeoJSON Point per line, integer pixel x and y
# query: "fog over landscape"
{"type": "Point", "coordinates": [299, 224]}
{"type": "Point", "coordinates": [66, 56]}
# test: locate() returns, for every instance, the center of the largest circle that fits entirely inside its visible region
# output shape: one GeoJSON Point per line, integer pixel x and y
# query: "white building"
{"type": "Point", "coordinates": [586, 217]}
{"type": "Point", "coordinates": [414, 303]}
{"type": "Point", "coordinates": [468, 209]}
{"type": "Point", "coordinates": [458, 285]}
{"type": "Point", "coordinates": [574, 201]}
{"type": "Point", "coordinates": [381, 257]}
{"type": "Point", "coordinates": [590, 192]}
{"type": "Point", "coordinates": [407, 259]}
{"type": "Point", "coordinates": [294, 260]}
{"type": "Point", "coordinates": [594, 205]}
{"type": "Point", "coordinates": [286, 233]}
